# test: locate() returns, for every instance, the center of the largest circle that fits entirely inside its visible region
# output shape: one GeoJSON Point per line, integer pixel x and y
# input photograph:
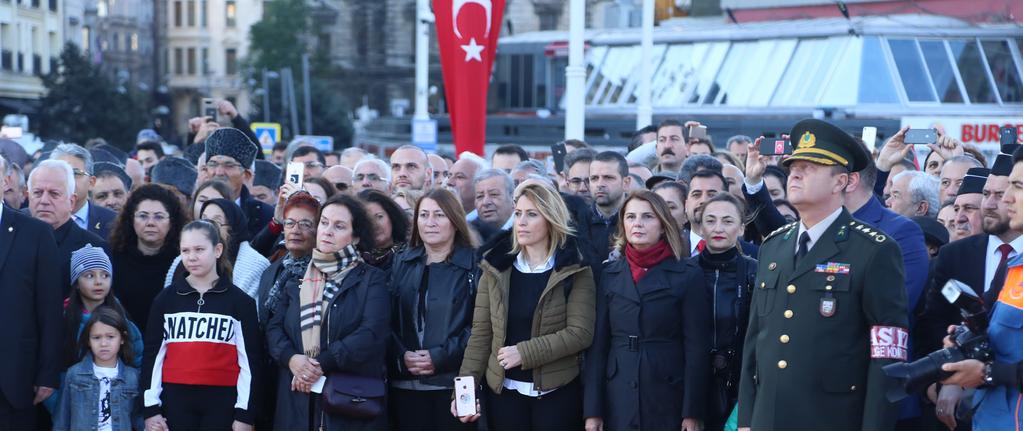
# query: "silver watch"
{"type": "Point", "coordinates": [988, 379]}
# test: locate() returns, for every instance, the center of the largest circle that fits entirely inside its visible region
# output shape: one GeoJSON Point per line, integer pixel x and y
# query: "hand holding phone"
{"type": "Point", "coordinates": [775, 147]}
{"type": "Point", "coordinates": [921, 136]}
{"type": "Point", "coordinates": [1008, 135]}
{"type": "Point", "coordinates": [465, 396]}
{"type": "Point", "coordinates": [558, 152]}
{"type": "Point", "coordinates": [209, 108]}
{"type": "Point", "coordinates": [697, 132]}
{"type": "Point", "coordinates": [295, 173]}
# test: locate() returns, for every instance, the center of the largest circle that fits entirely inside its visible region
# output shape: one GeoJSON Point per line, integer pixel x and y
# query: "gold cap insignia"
{"type": "Point", "coordinates": [808, 140]}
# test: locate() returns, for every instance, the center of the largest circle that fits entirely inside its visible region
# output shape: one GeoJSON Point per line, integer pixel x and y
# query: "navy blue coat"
{"type": "Point", "coordinates": [101, 220]}
{"type": "Point", "coordinates": [661, 376]}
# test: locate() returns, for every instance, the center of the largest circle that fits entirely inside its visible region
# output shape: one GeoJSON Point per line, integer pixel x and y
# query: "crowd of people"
{"type": "Point", "coordinates": [678, 284]}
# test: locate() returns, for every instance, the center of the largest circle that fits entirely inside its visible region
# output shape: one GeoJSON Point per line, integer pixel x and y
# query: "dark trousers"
{"type": "Point", "coordinates": [200, 408]}
{"type": "Point", "coordinates": [424, 411]}
{"type": "Point", "coordinates": [16, 419]}
{"type": "Point", "coordinates": [561, 410]}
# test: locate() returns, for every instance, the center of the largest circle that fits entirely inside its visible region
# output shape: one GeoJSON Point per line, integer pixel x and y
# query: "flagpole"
{"type": "Point", "coordinates": [645, 111]}
{"type": "Point", "coordinates": [575, 73]}
{"type": "Point", "coordinates": [423, 20]}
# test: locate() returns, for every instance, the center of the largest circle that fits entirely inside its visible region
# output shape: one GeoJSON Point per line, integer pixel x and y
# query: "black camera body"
{"type": "Point", "coordinates": [970, 342]}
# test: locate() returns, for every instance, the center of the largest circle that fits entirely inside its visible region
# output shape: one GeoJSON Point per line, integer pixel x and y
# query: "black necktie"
{"type": "Point", "coordinates": [804, 242]}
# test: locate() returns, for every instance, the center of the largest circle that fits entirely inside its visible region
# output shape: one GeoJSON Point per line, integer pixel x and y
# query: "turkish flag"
{"type": "Point", "coordinates": [467, 32]}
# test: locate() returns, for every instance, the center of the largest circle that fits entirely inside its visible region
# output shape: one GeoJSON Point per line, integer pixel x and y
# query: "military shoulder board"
{"type": "Point", "coordinates": [868, 231]}
{"type": "Point", "coordinates": [780, 230]}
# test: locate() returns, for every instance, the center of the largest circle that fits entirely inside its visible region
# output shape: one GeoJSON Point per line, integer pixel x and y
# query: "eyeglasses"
{"type": "Point", "coordinates": [576, 182]}
{"type": "Point", "coordinates": [305, 225]}
{"type": "Point", "coordinates": [341, 187]}
{"type": "Point", "coordinates": [371, 177]}
{"type": "Point", "coordinates": [80, 173]}
{"type": "Point", "coordinates": [313, 165]}
{"type": "Point", "coordinates": [212, 165]}
{"type": "Point", "coordinates": [146, 217]}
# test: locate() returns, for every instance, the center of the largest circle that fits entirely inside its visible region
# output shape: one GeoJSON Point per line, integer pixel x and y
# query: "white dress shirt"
{"type": "Point", "coordinates": [816, 231]}
{"type": "Point", "coordinates": [694, 240]}
{"type": "Point", "coordinates": [993, 256]}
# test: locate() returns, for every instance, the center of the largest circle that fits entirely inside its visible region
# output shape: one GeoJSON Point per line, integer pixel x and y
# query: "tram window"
{"type": "Point", "coordinates": [942, 71]}
{"type": "Point", "coordinates": [911, 70]}
{"type": "Point", "coordinates": [1003, 69]}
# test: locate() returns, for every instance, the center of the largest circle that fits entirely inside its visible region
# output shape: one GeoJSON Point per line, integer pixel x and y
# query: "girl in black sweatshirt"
{"type": "Point", "coordinates": [202, 343]}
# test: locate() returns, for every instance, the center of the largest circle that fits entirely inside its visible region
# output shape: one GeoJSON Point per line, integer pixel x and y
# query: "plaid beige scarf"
{"type": "Point", "coordinates": [321, 282]}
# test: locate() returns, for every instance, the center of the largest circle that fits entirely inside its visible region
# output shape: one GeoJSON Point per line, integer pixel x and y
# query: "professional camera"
{"type": "Point", "coordinates": [970, 341]}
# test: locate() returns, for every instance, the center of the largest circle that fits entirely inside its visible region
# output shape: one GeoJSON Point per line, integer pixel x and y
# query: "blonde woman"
{"type": "Point", "coordinates": [533, 318]}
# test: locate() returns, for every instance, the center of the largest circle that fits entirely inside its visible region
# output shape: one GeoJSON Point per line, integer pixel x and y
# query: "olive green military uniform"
{"type": "Point", "coordinates": [820, 329]}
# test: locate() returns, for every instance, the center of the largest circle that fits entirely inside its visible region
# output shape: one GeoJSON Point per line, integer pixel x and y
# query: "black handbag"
{"type": "Point", "coordinates": [354, 396]}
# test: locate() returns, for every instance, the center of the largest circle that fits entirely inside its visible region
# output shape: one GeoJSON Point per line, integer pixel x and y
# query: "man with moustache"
{"type": "Point", "coordinates": [828, 308]}
{"type": "Point", "coordinates": [979, 261]}
{"type": "Point", "coordinates": [967, 203]}
{"type": "Point", "coordinates": [671, 146]}
{"type": "Point", "coordinates": [230, 157]}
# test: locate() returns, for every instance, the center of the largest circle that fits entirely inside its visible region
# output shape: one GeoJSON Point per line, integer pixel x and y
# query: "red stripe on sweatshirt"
{"type": "Point", "coordinates": [218, 366]}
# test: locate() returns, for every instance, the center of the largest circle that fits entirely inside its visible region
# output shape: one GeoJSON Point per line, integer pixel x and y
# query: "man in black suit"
{"type": "Point", "coordinates": [51, 198]}
{"type": "Point", "coordinates": [88, 216]}
{"type": "Point", "coordinates": [31, 305]}
{"type": "Point", "coordinates": [979, 261]}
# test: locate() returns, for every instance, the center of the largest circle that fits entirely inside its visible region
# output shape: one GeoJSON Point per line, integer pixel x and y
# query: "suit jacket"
{"type": "Point", "coordinates": [910, 238]}
{"type": "Point", "coordinates": [101, 220]}
{"type": "Point", "coordinates": [820, 331]}
{"type": "Point", "coordinates": [31, 306]}
{"type": "Point", "coordinates": [962, 260]}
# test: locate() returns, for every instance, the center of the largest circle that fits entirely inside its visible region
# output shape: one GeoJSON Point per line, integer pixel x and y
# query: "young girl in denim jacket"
{"type": "Point", "coordinates": [101, 392]}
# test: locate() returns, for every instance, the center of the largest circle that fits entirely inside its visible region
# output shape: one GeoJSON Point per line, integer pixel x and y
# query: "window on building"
{"type": "Point", "coordinates": [942, 71]}
{"type": "Point", "coordinates": [115, 40]}
{"type": "Point", "coordinates": [231, 13]}
{"type": "Point", "coordinates": [205, 61]}
{"type": "Point", "coordinates": [911, 69]}
{"type": "Point", "coordinates": [6, 43]}
{"type": "Point", "coordinates": [177, 14]}
{"type": "Point", "coordinates": [134, 42]}
{"type": "Point", "coordinates": [202, 13]}
{"type": "Point", "coordinates": [548, 21]}
{"type": "Point", "coordinates": [86, 38]}
{"type": "Point", "coordinates": [230, 61]}
{"type": "Point", "coordinates": [191, 61]}
{"type": "Point", "coordinates": [971, 68]}
{"type": "Point", "coordinates": [191, 13]}
{"type": "Point", "coordinates": [179, 61]}
{"type": "Point", "coordinates": [1003, 69]}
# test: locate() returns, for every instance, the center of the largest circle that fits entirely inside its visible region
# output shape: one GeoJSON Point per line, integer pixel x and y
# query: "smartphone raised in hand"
{"type": "Point", "coordinates": [775, 147]}
{"type": "Point", "coordinates": [295, 172]}
{"type": "Point", "coordinates": [558, 152]}
{"type": "Point", "coordinates": [1008, 135]}
{"type": "Point", "coordinates": [698, 132]}
{"type": "Point", "coordinates": [209, 108]}
{"type": "Point", "coordinates": [921, 136]}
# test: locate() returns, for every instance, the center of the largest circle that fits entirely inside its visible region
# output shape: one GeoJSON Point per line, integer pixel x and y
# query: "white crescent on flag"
{"type": "Point", "coordinates": [456, 6]}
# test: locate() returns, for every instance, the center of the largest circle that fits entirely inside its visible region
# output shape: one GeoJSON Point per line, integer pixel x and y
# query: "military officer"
{"type": "Point", "coordinates": [828, 308]}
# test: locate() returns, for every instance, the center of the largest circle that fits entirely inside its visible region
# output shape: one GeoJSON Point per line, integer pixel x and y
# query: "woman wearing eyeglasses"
{"type": "Point", "coordinates": [143, 245]}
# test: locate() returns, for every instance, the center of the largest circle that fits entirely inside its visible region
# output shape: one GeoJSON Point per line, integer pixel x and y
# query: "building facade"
{"type": "Point", "coordinates": [31, 35]}
{"type": "Point", "coordinates": [202, 51]}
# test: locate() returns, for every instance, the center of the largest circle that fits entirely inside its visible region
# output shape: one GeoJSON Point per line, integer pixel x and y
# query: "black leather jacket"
{"type": "Point", "coordinates": [450, 297]}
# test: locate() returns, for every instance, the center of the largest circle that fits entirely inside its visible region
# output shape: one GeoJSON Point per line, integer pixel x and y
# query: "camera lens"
{"type": "Point", "coordinates": [913, 377]}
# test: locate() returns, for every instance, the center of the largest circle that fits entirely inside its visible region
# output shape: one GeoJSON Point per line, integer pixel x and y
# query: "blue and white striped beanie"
{"type": "Point", "coordinates": [89, 258]}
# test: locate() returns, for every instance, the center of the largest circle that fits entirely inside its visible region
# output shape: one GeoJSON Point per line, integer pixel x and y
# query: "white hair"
{"type": "Point", "coordinates": [60, 165]}
{"type": "Point", "coordinates": [382, 164]}
{"type": "Point", "coordinates": [922, 187]}
{"type": "Point", "coordinates": [481, 163]}
{"type": "Point", "coordinates": [354, 150]}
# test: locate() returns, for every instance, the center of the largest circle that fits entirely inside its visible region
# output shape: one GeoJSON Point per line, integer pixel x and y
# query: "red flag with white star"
{"type": "Point", "coordinates": [467, 33]}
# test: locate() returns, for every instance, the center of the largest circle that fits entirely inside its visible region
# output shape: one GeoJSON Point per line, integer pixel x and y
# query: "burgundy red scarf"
{"type": "Point", "coordinates": [640, 261]}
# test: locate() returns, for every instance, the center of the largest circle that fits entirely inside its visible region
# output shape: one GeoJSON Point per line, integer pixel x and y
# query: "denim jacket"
{"type": "Point", "coordinates": [79, 401]}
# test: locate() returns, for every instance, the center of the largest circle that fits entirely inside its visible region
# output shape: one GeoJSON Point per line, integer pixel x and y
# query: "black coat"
{"type": "Point", "coordinates": [256, 212]}
{"type": "Point", "coordinates": [31, 290]}
{"type": "Point", "coordinates": [963, 260]}
{"type": "Point", "coordinates": [101, 220]}
{"type": "Point", "coordinates": [729, 279]}
{"type": "Point", "coordinates": [649, 366]}
{"type": "Point", "coordinates": [70, 238]}
{"type": "Point", "coordinates": [354, 341]}
{"type": "Point", "coordinates": [449, 308]}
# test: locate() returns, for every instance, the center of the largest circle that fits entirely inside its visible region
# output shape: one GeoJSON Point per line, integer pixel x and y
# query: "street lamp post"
{"type": "Point", "coordinates": [575, 73]}
{"type": "Point", "coordinates": [645, 110]}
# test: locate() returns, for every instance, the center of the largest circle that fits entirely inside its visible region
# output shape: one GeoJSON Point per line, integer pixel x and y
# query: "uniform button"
{"type": "Point", "coordinates": [784, 339]}
{"type": "Point", "coordinates": [788, 314]}
{"type": "Point", "coordinates": [772, 266]}
{"type": "Point", "coordinates": [762, 284]}
{"type": "Point", "coordinates": [852, 388]}
{"type": "Point", "coordinates": [782, 364]}
{"type": "Point", "coordinates": [791, 288]}
{"type": "Point", "coordinates": [827, 287]}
